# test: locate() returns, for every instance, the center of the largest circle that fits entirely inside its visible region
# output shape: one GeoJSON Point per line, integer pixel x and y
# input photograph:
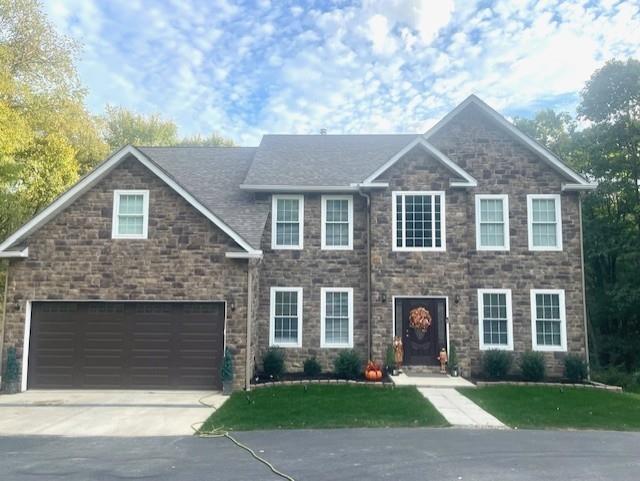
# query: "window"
{"type": "Point", "coordinates": [287, 213]}
{"type": "Point", "coordinates": [492, 222]}
{"type": "Point", "coordinates": [130, 214]}
{"type": "Point", "coordinates": [419, 221]}
{"type": "Point", "coordinates": [545, 223]}
{"type": "Point", "coordinates": [336, 317]}
{"type": "Point", "coordinates": [495, 320]}
{"type": "Point", "coordinates": [337, 222]}
{"type": "Point", "coordinates": [548, 322]}
{"type": "Point", "coordinates": [285, 328]}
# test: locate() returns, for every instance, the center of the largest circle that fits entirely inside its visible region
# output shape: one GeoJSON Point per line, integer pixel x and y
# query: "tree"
{"type": "Point", "coordinates": [121, 127]}
{"type": "Point", "coordinates": [553, 130]}
{"type": "Point", "coordinates": [214, 140]}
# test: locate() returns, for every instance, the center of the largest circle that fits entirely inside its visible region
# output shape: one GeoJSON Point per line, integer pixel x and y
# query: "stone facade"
{"type": "Point", "coordinates": [73, 257]}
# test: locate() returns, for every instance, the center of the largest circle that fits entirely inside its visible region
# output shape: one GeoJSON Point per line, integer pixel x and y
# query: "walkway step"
{"type": "Point", "coordinates": [458, 410]}
{"type": "Point", "coordinates": [437, 381]}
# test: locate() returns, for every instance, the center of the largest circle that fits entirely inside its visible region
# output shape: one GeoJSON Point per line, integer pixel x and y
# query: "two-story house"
{"type": "Point", "coordinates": [141, 273]}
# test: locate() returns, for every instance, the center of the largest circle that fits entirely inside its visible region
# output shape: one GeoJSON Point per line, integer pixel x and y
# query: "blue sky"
{"type": "Point", "coordinates": [247, 68]}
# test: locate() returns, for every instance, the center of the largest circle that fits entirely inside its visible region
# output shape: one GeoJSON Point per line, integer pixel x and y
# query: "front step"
{"type": "Point", "coordinates": [422, 370]}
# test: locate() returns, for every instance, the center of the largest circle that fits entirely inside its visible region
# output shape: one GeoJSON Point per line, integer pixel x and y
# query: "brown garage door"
{"type": "Point", "coordinates": [115, 345]}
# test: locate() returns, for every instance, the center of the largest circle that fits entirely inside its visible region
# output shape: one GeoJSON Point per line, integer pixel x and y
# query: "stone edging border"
{"type": "Point", "coordinates": [592, 385]}
{"type": "Point", "coordinates": [322, 381]}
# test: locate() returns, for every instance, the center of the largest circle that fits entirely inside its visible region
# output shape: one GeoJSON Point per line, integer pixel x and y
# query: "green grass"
{"type": "Point", "coordinates": [324, 406]}
{"type": "Point", "coordinates": [556, 407]}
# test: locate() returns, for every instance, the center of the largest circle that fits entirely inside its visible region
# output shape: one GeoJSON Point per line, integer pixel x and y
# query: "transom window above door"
{"type": "Point", "coordinates": [492, 222]}
{"type": "Point", "coordinates": [419, 221]}
{"type": "Point", "coordinates": [287, 214]}
{"type": "Point", "coordinates": [130, 214]}
{"type": "Point", "coordinates": [337, 222]}
{"type": "Point", "coordinates": [544, 222]}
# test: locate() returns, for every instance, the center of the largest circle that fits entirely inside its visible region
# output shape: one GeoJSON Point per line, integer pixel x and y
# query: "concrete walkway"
{"type": "Point", "coordinates": [459, 410]}
{"type": "Point", "coordinates": [105, 413]}
{"type": "Point", "coordinates": [434, 380]}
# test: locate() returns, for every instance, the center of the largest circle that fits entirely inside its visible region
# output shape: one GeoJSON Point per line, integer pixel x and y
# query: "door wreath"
{"type": "Point", "coordinates": [420, 320]}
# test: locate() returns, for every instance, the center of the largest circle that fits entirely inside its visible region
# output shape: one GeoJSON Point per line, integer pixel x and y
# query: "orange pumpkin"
{"type": "Point", "coordinates": [378, 375]}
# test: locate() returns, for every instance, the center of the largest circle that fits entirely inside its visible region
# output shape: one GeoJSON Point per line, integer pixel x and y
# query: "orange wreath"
{"type": "Point", "coordinates": [420, 319]}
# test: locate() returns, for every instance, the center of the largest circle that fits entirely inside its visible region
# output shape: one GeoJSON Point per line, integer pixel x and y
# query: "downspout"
{"type": "Point", "coordinates": [4, 317]}
{"type": "Point", "coordinates": [248, 349]}
{"type": "Point", "coordinates": [369, 301]}
{"type": "Point", "coordinates": [584, 291]}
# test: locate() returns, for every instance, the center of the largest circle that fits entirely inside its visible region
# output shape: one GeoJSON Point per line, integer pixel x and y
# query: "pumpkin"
{"type": "Point", "coordinates": [373, 372]}
{"type": "Point", "coordinates": [378, 375]}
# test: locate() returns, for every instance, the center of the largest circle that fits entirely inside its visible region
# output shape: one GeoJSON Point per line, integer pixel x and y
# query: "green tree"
{"type": "Point", "coordinates": [213, 140]}
{"type": "Point", "coordinates": [121, 127]}
{"type": "Point", "coordinates": [553, 130]}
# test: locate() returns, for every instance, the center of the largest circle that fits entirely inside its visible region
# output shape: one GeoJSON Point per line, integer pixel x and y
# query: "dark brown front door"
{"type": "Point", "coordinates": [421, 347]}
{"type": "Point", "coordinates": [120, 345]}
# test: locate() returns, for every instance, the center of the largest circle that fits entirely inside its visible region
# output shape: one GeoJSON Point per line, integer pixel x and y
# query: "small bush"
{"type": "Point", "coordinates": [613, 376]}
{"type": "Point", "coordinates": [496, 364]}
{"type": "Point", "coordinates": [311, 367]}
{"type": "Point", "coordinates": [273, 363]}
{"type": "Point", "coordinates": [575, 369]}
{"type": "Point", "coordinates": [226, 371]}
{"type": "Point", "coordinates": [532, 366]}
{"type": "Point", "coordinates": [348, 365]}
{"type": "Point", "coordinates": [453, 358]}
{"type": "Point", "coordinates": [11, 367]}
{"type": "Point", "coordinates": [390, 358]}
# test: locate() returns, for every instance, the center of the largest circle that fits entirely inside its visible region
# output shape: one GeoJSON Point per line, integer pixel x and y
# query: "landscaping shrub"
{"type": "Point", "coordinates": [390, 358]}
{"type": "Point", "coordinates": [273, 363]}
{"type": "Point", "coordinates": [496, 364]}
{"type": "Point", "coordinates": [11, 367]}
{"type": "Point", "coordinates": [613, 376]}
{"type": "Point", "coordinates": [532, 366]}
{"type": "Point", "coordinates": [226, 371]}
{"type": "Point", "coordinates": [311, 367]}
{"type": "Point", "coordinates": [575, 369]}
{"type": "Point", "coordinates": [348, 365]}
{"type": "Point", "coordinates": [453, 359]}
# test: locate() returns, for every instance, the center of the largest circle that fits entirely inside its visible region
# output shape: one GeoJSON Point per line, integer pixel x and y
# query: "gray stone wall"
{"type": "Point", "coordinates": [73, 257]}
{"type": "Point", "coordinates": [312, 268]}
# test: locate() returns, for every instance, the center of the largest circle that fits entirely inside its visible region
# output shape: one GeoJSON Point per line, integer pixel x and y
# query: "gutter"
{"type": "Point", "coordinates": [369, 302]}
{"type": "Point", "coordinates": [4, 317]}
{"type": "Point", "coordinates": [584, 293]}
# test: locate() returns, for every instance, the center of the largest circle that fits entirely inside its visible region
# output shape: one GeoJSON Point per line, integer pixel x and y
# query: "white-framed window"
{"type": "Point", "coordinates": [130, 214]}
{"type": "Point", "coordinates": [285, 326]}
{"type": "Point", "coordinates": [287, 221]}
{"type": "Point", "coordinates": [336, 317]}
{"type": "Point", "coordinates": [419, 221]}
{"type": "Point", "coordinates": [337, 222]}
{"type": "Point", "coordinates": [545, 222]}
{"type": "Point", "coordinates": [548, 320]}
{"type": "Point", "coordinates": [495, 319]}
{"type": "Point", "coordinates": [492, 222]}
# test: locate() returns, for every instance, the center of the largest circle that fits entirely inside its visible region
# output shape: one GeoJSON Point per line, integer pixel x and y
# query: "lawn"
{"type": "Point", "coordinates": [324, 406]}
{"type": "Point", "coordinates": [556, 407]}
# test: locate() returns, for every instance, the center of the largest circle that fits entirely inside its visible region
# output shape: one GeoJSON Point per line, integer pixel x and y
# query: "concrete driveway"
{"type": "Point", "coordinates": [105, 413]}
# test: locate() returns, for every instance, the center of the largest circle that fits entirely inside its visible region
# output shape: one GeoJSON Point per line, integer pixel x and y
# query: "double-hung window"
{"type": "Point", "coordinates": [492, 222]}
{"type": "Point", "coordinates": [419, 221]}
{"type": "Point", "coordinates": [495, 320]}
{"type": "Point", "coordinates": [130, 214]}
{"type": "Point", "coordinates": [336, 317]}
{"type": "Point", "coordinates": [287, 220]}
{"type": "Point", "coordinates": [337, 222]}
{"type": "Point", "coordinates": [545, 223]}
{"type": "Point", "coordinates": [285, 329]}
{"type": "Point", "coordinates": [548, 321]}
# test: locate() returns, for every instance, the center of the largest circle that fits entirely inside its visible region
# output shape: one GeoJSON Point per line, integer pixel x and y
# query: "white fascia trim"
{"type": "Point", "coordinates": [299, 188]}
{"type": "Point", "coordinates": [525, 139]}
{"type": "Point", "coordinates": [469, 181]}
{"type": "Point", "coordinates": [98, 173]}
{"type": "Point", "coordinates": [323, 314]}
{"type": "Point", "coordinates": [371, 185]}
{"type": "Point", "coordinates": [244, 255]}
{"type": "Point", "coordinates": [578, 187]}
{"type": "Point", "coordinates": [563, 321]}
{"type": "Point", "coordinates": [272, 317]}
{"type": "Point", "coordinates": [323, 221]}
{"type": "Point", "coordinates": [21, 253]}
{"type": "Point", "coordinates": [505, 220]}
{"type": "Point", "coordinates": [558, 208]}
{"type": "Point", "coordinates": [274, 221]}
{"type": "Point", "coordinates": [509, 345]}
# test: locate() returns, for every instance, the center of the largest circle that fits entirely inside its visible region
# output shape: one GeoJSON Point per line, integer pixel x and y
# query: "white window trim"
{"type": "Point", "coordinates": [274, 222]}
{"type": "Point", "coordinates": [323, 228]}
{"type": "Point", "coordinates": [145, 214]}
{"type": "Point", "coordinates": [483, 345]}
{"type": "Point", "coordinates": [272, 317]}
{"type": "Point", "coordinates": [563, 321]}
{"type": "Point", "coordinates": [530, 199]}
{"type": "Point", "coordinates": [323, 311]}
{"type": "Point", "coordinates": [443, 229]}
{"type": "Point", "coordinates": [505, 216]}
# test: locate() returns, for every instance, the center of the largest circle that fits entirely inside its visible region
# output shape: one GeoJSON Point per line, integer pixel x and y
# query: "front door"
{"type": "Point", "coordinates": [423, 329]}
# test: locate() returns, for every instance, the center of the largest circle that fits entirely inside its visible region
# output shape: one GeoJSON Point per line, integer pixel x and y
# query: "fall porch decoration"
{"type": "Point", "coordinates": [373, 372]}
{"type": "Point", "coordinates": [420, 319]}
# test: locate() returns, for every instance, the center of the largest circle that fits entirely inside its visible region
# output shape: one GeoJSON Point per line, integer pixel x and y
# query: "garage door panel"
{"type": "Point", "coordinates": [126, 345]}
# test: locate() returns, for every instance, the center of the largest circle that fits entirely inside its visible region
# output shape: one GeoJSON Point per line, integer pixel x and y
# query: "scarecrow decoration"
{"type": "Point", "coordinates": [398, 351]}
{"type": "Point", "coordinates": [443, 358]}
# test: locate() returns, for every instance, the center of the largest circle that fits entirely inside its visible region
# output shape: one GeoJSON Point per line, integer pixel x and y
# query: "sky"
{"type": "Point", "coordinates": [244, 69]}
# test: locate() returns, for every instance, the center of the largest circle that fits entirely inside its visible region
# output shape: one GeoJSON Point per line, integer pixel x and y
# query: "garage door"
{"type": "Point", "coordinates": [120, 345]}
